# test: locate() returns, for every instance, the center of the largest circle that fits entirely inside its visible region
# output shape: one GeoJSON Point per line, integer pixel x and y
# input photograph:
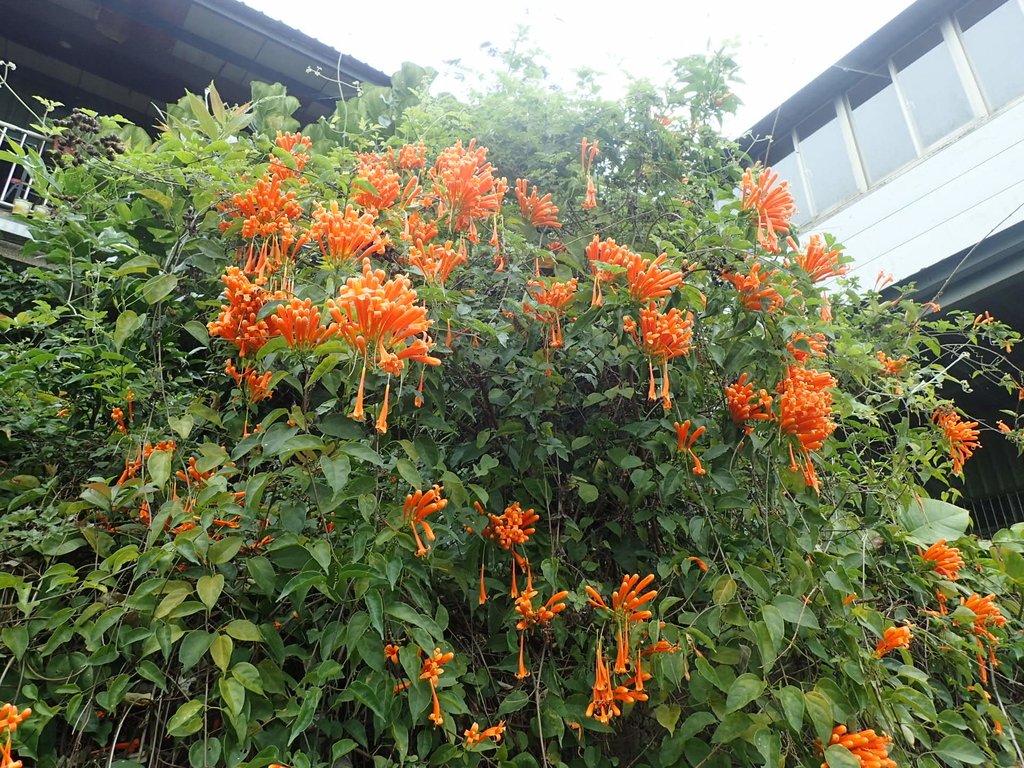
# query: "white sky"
{"type": "Point", "coordinates": [780, 44]}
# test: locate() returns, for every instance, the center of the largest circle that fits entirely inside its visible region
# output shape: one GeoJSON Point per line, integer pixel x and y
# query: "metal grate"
{"type": "Point", "coordinates": [15, 183]}
{"type": "Point", "coordinates": [994, 513]}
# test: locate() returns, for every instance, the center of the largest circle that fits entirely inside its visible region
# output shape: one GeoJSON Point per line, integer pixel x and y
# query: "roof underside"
{"type": "Point", "coordinates": [128, 55]}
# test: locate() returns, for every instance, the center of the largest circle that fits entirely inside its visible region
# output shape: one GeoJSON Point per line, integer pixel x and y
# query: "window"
{"type": "Point", "coordinates": [827, 166]}
{"type": "Point", "coordinates": [931, 86]}
{"type": "Point", "coordinates": [992, 35]}
{"type": "Point", "coordinates": [882, 134]}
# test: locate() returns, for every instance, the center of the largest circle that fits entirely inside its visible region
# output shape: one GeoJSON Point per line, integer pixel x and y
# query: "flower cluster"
{"type": "Point", "coordinates": [870, 749]}
{"type": "Point", "coordinates": [962, 436]}
{"type": "Point", "coordinates": [893, 638]}
{"type": "Point", "coordinates": [661, 336]}
{"type": "Point", "coordinates": [747, 405]}
{"type": "Point", "coordinates": [433, 668]}
{"type": "Point", "coordinates": [10, 719]}
{"type": "Point", "coordinates": [819, 263]}
{"type": "Point", "coordinates": [239, 321]}
{"type": "Point", "coordinates": [773, 205]}
{"type": "Point", "coordinates": [437, 262]}
{"type": "Point", "coordinates": [551, 301]}
{"type": "Point", "coordinates": [540, 212]}
{"type": "Point", "coordinates": [346, 236]}
{"type": "Point", "coordinates": [418, 507]}
{"type": "Point", "coordinates": [805, 407]}
{"type": "Point", "coordinates": [466, 188]}
{"type": "Point", "coordinates": [756, 291]}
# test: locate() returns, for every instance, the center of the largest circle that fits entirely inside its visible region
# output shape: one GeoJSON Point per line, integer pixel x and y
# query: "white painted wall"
{"type": "Point", "coordinates": [968, 189]}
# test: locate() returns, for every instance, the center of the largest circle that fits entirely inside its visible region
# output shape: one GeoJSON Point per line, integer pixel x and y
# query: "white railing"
{"type": "Point", "coordinates": [15, 182]}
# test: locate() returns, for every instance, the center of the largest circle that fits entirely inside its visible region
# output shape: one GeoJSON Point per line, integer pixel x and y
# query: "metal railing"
{"type": "Point", "coordinates": [15, 182]}
{"type": "Point", "coordinates": [996, 512]}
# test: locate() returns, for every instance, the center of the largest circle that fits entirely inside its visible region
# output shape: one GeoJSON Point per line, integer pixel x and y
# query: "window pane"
{"type": "Point", "coordinates": [883, 137]}
{"type": "Point", "coordinates": [826, 160]}
{"type": "Point", "coordinates": [788, 170]}
{"type": "Point", "coordinates": [932, 87]}
{"type": "Point", "coordinates": [993, 33]}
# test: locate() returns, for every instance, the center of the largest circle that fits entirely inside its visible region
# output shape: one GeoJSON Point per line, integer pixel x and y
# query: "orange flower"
{"type": "Point", "coordinates": [746, 405]}
{"type": "Point", "coordinates": [254, 386]}
{"type": "Point", "coordinates": [686, 443]}
{"type": "Point", "coordinates": [466, 188]}
{"type": "Point", "coordinates": [945, 560]}
{"type": "Point", "coordinates": [755, 292]}
{"type": "Point", "coordinates": [418, 507]}
{"type": "Point", "coordinates": [1003, 428]}
{"type": "Point", "coordinates": [239, 321]}
{"type": "Point", "coordinates": [556, 297]}
{"type": "Point", "coordinates": [391, 653]}
{"type": "Point", "coordinates": [380, 319]}
{"type": "Point", "coordinates": [627, 602]}
{"type": "Point", "coordinates": [602, 706]}
{"type": "Point", "coordinates": [410, 156]}
{"type": "Point", "coordinates": [662, 336]}
{"type": "Point", "coordinates": [267, 215]}
{"type": "Point", "coordinates": [295, 143]}
{"type": "Point", "coordinates": [347, 236]}
{"type": "Point", "coordinates": [962, 436]}
{"type": "Point", "coordinates": [191, 475]}
{"type": "Point", "coordinates": [870, 749]}
{"type": "Point", "coordinates": [893, 638]}
{"type": "Point", "coordinates": [588, 151]}
{"type": "Point", "coordinates": [534, 618]}
{"type": "Point", "coordinates": [891, 367]}
{"type": "Point", "coordinates": [437, 262]}
{"type": "Point", "coordinates": [882, 279]}
{"type": "Point", "coordinates": [648, 281]}
{"type": "Point", "coordinates": [417, 229]}
{"type": "Point", "coordinates": [474, 735]}
{"type": "Point", "coordinates": [510, 529]}
{"type": "Point", "coordinates": [298, 322]}
{"type": "Point", "coordinates": [816, 346]}
{"type": "Point", "coordinates": [773, 205]}
{"type": "Point", "coordinates": [608, 252]}
{"type": "Point", "coordinates": [805, 406]}
{"type": "Point", "coordinates": [986, 613]}
{"type": "Point", "coordinates": [818, 263]}
{"type": "Point", "coordinates": [699, 563]}
{"type": "Point", "coordinates": [590, 199]}
{"type": "Point", "coordinates": [433, 667]}
{"type": "Point", "coordinates": [10, 719]}
{"type": "Point", "coordinates": [117, 416]}
{"type": "Point", "coordinates": [540, 212]}
{"type": "Point", "coordinates": [377, 186]}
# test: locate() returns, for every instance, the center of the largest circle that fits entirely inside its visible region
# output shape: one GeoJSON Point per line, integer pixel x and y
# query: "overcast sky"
{"type": "Point", "coordinates": [781, 45]}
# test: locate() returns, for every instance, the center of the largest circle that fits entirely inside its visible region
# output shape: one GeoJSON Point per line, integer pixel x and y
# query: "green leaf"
{"type": "Point", "coordinates": [181, 425]}
{"type": "Point", "coordinates": [176, 592]}
{"type": "Point", "coordinates": [138, 264]}
{"type": "Point", "coordinates": [243, 629]}
{"type": "Point", "coordinates": [156, 288]}
{"type": "Point", "coordinates": [220, 652]}
{"type": "Point", "coordinates": [233, 694]}
{"type": "Point", "coordinates": [667, 716]}
{"type": "Point", "coordinates": [744, 689]}
{"type": "Point", "coordinates": [724, 591]}
{"type": "Point", "coordinates": [819, 709]}
{"type": "Point", "coordinates": [403, 612]}
{"type": "Point", "coordinates": [248, 676]}
{"type": "Point", "coordinates": [222, 551]}
{"type": "Point", "coordinates": [792, 700]}
{"type": "Point", "coordinates": [209, 588]}
{"type": "Point", "coordinates": [186, 720]}
{"type": "Point", "coordinates": [16, 640]}
{"type": "Point", "coordinates": [840, 757]}
{"type": "Point", "coordinates": [929, 520]}
{"type": "Point", "coordinates": [336, 471]}
{"type": "Point", "coordinates": [588, 493]}
{"type": "Point", "coordinates": [515, 701]}
{"type": "Point", "coordinates": [956, 747]}
{"type": "Point", "coordinates": [128, 322]}
{"type": "Point", "coordinates": [159, 465]}
{"type": "Point", "coordinates": [409, 473]}
{"type": "Point", "coordinates": [363, 453]}
{"type": "Point", "coordinates": [310, 702]}
{"type": "Point", "coordinates": [193, 646]}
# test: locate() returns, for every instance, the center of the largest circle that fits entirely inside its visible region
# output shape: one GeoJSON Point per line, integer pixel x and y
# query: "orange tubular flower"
{"type": "Point", "coordinates": [816, 346]}
{"type": "Point", "coordinates": [239, 321]}
{"type": "Point", "coordinates": [117, 416]}
{"type": "Point", "coordinates": [588, 151]}
{"type": "Point", "coordinates": [437, 262]}
{"type": "Point", "coordinates": [818, 263]}
{"type": "Point", "coordinates": [868, 747]}
{"type": "Point", "coordinates": [10, 719]}
{"type": "Point", "coordinates": [686, 441]}
{"type": "Point", "coordinates": [380, 319]}
{"type": "Point", "coordinates": [773, 204]}
{"type": "Point", "coordinates": [295, 143]}
{"type": "Point", "coordinates": [347, 236]}
{"type": "Point", "coordinates": [298, 322]}
{"type": "Point", "coordinates": [1001, 425]}
{"type": "Point", "coordinates": [268, 214]}
{"type": "Point", "coordinates": [410, 156]}
{"type": "Point", "coordinates": [746, 405]}
{"type": "Point", "coordinates": [662, 336]}
{"type": "Point", "coordinates": [648, 281]}
{"type": "Point", "coordinates": [556, 297]}
{"type": "Point", "coordinates": [511, 528]}
{"type": "Point", "coordinates": [986, 614]}
{"type": "Point", "coordinates": [962, 436]}
{"type": "Point", "coordinates": [627, 602]}
{"type": "Point", "coordinates": [945, 560]}
{"type": "Point", "coordinates": [891, 367]}
{"type": "Point", "coordinates": [417, 229]}
{"type": "Point", "coordinates": [603, 706]}
{"type": "Point", "coordinates": [893, 638]}
{"type": "Point", "coordinates": [391, 653]}
{"type": "Point", "coordinates": [540, 212]}
{"type": "Point", "coordinates": [254, 386]}
{"type": "Point", "coordinates": [474, 735]}
{"type": "Point", "coordinates": [805, 406]}
{"type": "Point", "coordinates": [466, 188]}
{"type": "Point", "coordinates": [381, 185]}
{"type": "Point", "coordinates": [433, 667]}
{"type": "Point", "coordinates": [606, 252]}
{"type": "Point", "coordinates": [755, 292]}
{"type": "Point", "coordinates": [418, 507]}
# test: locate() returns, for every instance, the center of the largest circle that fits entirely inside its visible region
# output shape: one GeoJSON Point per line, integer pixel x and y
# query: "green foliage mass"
{"type": "Point", "coordinates": [227, 601]}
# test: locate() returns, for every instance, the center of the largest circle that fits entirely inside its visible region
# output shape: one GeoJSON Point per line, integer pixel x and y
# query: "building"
{"type": "Point", "coordinates": [909, 150]}
{"type": "Point", "coordinates": [131, 57]}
